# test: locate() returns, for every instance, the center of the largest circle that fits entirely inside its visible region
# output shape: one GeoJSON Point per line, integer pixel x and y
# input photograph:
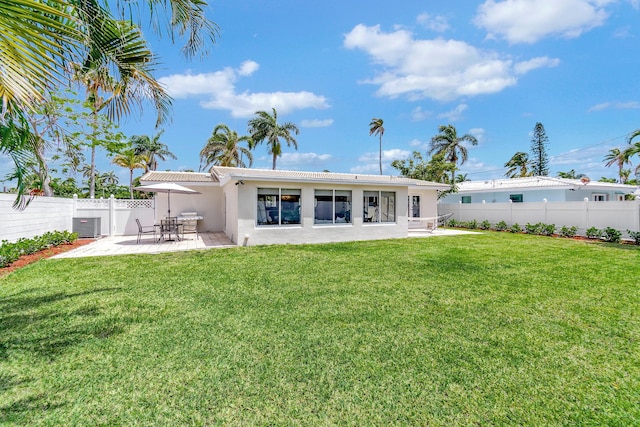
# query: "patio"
{"type": "Point", "coordinates": [126, 245]}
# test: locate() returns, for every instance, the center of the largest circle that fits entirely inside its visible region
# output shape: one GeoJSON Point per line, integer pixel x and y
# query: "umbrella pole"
{"type": "Point", "coordinates": [169, 204]}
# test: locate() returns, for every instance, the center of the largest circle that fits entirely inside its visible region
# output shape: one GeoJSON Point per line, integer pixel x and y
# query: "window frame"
{"type": "Point", "coordinates": [379, 196]}
{"type": "Point", "coordinates": [281, 191]}
{"type": "Point", "coordinates": [516, 198]}
{"type": "Point", "coordinates": [348, 214]}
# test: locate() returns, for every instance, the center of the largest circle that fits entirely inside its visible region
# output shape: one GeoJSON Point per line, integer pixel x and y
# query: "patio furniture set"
{"type": "Point", "coordinates": [171, 228]}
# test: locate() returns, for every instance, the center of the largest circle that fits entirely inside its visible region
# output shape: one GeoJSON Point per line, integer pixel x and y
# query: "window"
{"type": "Point", "coordinates": [332, 207]}
{"type": "Point", "coordinates": [600, 197]}
{"type": "Point", "coordinates": [466, 199]}
{"type": "Point", "coordinates": [516, 198]}
{"type": "Point", "coordinates": [277, 206]}
{"type": "Point", "coordinates": [379, 206]}
{"type": "Point", "coordinates": [414, 206]}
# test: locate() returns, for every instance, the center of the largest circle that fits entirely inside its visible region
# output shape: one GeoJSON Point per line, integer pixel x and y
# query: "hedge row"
{"type": "Point", "coordinates": [607, 234]}
{"type": "Point", "coordinates": [10, 252]}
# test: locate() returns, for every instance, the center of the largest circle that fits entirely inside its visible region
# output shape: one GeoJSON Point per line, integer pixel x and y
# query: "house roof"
{"type": "Point", "coordinates": [224, 174]}
{"type": "Point", "coordinates": [169, 176]}
{"type": "Point", "coordinates": [539, 183]}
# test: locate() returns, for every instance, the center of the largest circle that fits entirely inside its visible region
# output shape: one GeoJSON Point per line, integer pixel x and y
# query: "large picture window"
{"type": "Point", "coordinates": [332, 207]}
{"type": "Point", "coordinates": [278, 206]}
{"type": "Point", "coordinates": [379, 206]}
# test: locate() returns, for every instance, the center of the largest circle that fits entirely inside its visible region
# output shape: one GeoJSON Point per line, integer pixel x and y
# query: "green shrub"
{"type": "Point", "coordinates": [612, 235]}
{"type": "Point", "coordinates": [501, 226]}
{"type": "Point", "coordinates": [10, 252]}
{"type": "Point", "coordinates": [547, 229]}
{"type": "Point", "coordinates": [635, 235]}
{"type": "Point", "coordinates": [532, 228]}
{"type": "Point", "coordinates": [452, 223]}
{"type": "Point", "coordinates": [485, 225]}
{"type": "Point", "coordinates": [594, 233]}
{"type": "Point", "coordinates": [515, 228]}
{"type": "Point", "coordinates": [473, 224]}
{"type": "Point", "coordinates": [568, 231]}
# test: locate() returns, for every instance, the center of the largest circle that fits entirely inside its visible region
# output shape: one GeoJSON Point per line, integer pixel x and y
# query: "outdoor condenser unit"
{"type": "Point", "coordinates": [87, 227]}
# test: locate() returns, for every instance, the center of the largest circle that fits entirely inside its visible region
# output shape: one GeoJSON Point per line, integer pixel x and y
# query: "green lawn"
{"type": "Point", "coordinates": [491, 329]}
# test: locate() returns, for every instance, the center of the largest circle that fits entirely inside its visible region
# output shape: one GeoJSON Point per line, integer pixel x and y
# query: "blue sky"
{"type": "Point", "coordinates": [491, 68]}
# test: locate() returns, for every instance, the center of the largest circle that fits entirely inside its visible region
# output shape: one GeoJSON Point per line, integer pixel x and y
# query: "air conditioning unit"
{"type": "Point", "coordinates": [87, 227]}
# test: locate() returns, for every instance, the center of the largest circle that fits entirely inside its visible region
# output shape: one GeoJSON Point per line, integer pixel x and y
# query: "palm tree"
{"type": "Point", "coordinates": [130, 160]}
{"type": "Point", "coordinates": [376, 128]}
{"type": "Point", "coordinates": [448, 143]}
{"type": "Point", "coordinates": [518, 166]}
{"type": "Point", "coordinates": [152, 148]}
{"type": "Point", "coordinates": [265, 127]}
{"type": "Point", "coordinates": [40, 38]}
{"type": "Point", "coordinates": [571, 175]}
{"type": "Point", "coordinates": [620, 158]}
{"type": "Point", "coordinates": [223, 149]}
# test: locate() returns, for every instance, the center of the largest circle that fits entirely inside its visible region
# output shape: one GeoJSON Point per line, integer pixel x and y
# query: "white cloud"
{"type": "Point", "coordinates": [438, 69]}
{"type": "Point", "coordinates": [615, 105]}
{"type": "Point", "coordinates": [316, 123]}
{"type": "Point", "coordinates": [416, 143]}
{"type": "Point", "coordinates": [455, 114]}
{"type": "Point", "coordinates": [437, 23]}
{"type": "Point", "coordinates": [479, 133]}
{"type": "Point", "coordinates": [542, 61]}
{"type": "Point", "coordinates": [418, 115]}
{"type": "Point", "coordinates": [527, 21]}
{"type": "Point", "coordinates": [387, 156]}
{"type": "Point", "coordinates": [219, 92]}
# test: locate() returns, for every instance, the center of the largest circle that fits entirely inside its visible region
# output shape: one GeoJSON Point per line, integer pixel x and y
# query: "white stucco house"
{"type": "Point", "coordinates": [537, 189]}
{"type": "Point", "coordinates": [255, 206]}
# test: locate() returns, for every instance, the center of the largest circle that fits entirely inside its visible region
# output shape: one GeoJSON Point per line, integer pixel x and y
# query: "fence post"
{"type": "Point", "coordinates": [586, 214]}
{"type": "Point", "coordinates": [75, 206]}
{"type": "Point", "coordinates": [510, 212]}
{"type": "Point", "coordinates": [112, 215]}
{"type": "Point", "coordinates": [484, 210]}
{"type": "Point", "coordinates": [545, 210]}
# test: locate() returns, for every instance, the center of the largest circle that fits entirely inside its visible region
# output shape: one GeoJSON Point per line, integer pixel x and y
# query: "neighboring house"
{"type": "Point", "coordinates": [537, 189]}
{"type": "Point", "coordinates": [253, 206]}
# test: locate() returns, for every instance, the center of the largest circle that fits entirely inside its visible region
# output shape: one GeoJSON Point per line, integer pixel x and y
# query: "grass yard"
{"type": "Point", "coordinates": [491, 329]}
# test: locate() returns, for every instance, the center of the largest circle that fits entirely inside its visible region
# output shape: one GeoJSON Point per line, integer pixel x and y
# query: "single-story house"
{"type": "Point", "coordinates": [254, 206]}
{"type": "Point", "coordinates": [537, 189]}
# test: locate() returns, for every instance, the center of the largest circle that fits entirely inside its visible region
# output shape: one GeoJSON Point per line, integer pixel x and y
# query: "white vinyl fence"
{"type": "Point", "coordinates": [621, 215]}
{"type": "Point", "coordinates": [117, 216]}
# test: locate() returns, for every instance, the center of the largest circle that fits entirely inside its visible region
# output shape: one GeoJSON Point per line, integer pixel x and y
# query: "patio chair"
{"type": "Point", "coordinates": [190, 226]}
{"type": "Point", "coordinates": [169, 227]}
{"type": "Point", "coordinates": [145, 229]}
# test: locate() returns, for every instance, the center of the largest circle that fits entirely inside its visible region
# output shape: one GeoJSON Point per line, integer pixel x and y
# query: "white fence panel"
{"type": "Point", "coordinates": [44, 214]}
{"type": "Point", "coordinates": [621, 215]}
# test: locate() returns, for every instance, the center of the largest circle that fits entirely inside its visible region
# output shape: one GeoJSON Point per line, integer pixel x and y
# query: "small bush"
{"type": "Point", "coordinates": [452, 223]}
{"type": "Point", "coordinates": [501, 226]}
{"type": "Point", "coordinates": [532, 228]}
{"type": "Point", "coordinates": [547, 229]}
{"type": "Point", "coordinates": [612, 235]}
{"type": "Point", "coordinates": [515, 228]}
{"type": "Point", "coordinates": [485, 225]}
{"type": "Point", "coordinates": [594, 233]}
{"type": "Point", "coordinates": [473, 224]}
{"type": "Point", "coordinates": [568, 231]}
{"type": "Point", "coordinates": [10, 252]}
{"type": "Point", "coordinates": [635, 235]}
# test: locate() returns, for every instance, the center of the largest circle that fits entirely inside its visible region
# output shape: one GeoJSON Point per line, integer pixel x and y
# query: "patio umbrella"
{"type": "Point", "coordinates": [166, 187]}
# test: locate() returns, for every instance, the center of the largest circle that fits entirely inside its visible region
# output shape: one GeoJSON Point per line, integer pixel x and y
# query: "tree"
{"type": "Point", "coordinates": [130, 160]}
{"type": "Point", "coordinates": [518, 166]}
{"type": "Point", "coordinates": [571, 175]}
{"type": "Point", "coordinates": [376, 128]}
{"type": "Point", "coordinates": [435, 170]}
{"type": "Point", "coordinates": [539, 158]}
{"type": "Point", "coordinates": [451, 146]}
{"type": "Point", "coordinates": [41, 38]}
{"type": "Point", "coordinates": [619, 158]}
{"type": "Point", "coordinates": [152, 148]}
{"type": "Point", "coordinates": [265, 127]}
{"type": "Point", "coordinates": [223, 149]}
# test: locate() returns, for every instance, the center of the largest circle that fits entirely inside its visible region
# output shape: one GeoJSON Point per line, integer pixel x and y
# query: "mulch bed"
{"type": "Point", "coordinates": [46, 253]}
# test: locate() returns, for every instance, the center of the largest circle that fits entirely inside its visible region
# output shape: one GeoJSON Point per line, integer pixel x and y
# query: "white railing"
{"type": "Point", "coordinates": [621, 215]}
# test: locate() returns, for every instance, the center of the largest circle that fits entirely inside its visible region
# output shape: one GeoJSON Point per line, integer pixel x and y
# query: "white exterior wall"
{"type": "Point", "coordinates": [250, 233]}
{"type": "Point", "coordinates": [43, 214]}
{"type": "Point", "coordinates": [208, 204]}
{"type": "Point", "coordinates": [551, 195]}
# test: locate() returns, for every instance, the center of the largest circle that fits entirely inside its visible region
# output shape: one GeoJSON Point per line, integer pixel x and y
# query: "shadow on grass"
{"type": "Point", "coordinates": [32, 323]}
{"type": "Point", "coordinates": [14, 413]}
